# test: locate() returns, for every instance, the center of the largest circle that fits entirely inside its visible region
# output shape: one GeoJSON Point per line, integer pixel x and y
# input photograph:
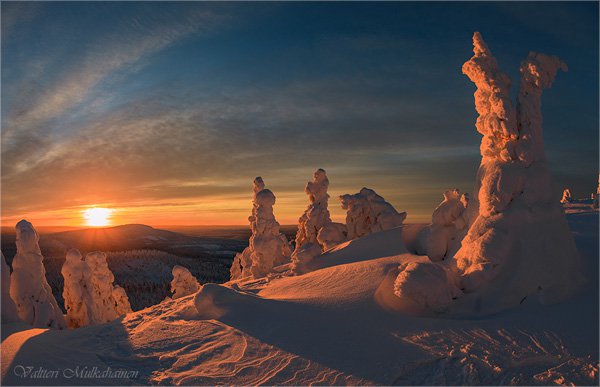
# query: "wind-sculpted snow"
{"type": "Point", "coordinates": [183, 283]}
{"type": "Point", "coordinates": [268, 246]}
{"type": "Point", "coordinates": [29, 288]}
{"type": "Point", "coordinates": [518, 243]}
{"type": "Point", "coordinates": [501, 357]}
{"type": "Point", "coordinates": [368, 212]}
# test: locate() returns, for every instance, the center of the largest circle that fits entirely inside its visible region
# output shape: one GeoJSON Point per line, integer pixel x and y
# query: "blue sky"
{"type": "Point", "coordinates": [173, 108]}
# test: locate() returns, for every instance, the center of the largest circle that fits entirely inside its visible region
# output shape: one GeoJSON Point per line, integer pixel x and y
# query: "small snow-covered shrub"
{"type": "Point", "coordinates": [183, 283]}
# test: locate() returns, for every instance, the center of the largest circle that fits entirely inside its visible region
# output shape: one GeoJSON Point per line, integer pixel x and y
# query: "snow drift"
{"type": "Point", "coordinates": [518, 243]}
{"type": "Point", "coordinates": [28, 286]}
{"type": "Point", "coordinates": [268, 247]}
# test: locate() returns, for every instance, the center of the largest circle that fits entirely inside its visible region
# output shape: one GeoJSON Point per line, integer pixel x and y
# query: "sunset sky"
{"type": "Point", "coordinates": [165, 113]}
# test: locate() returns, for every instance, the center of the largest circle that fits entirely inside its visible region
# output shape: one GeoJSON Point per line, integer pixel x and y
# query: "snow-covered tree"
{"type": "Point", "coordinates": [317, 215]}
{"type": "Point", "coordinates": [101, 289]}
{"type": "Point", "coordinates": [29, 288]}
{"type": "Point", "coordinates": [316, 231]}
{"type": "Point", "coordinates": [566, 197]}
{"type": "Point", "coordinates": [518, 243]}
{"type": "Point", "coordinates": [368, 212]}
{"type": "Point", "coordinates": [122, 305]}
{"type": "Point", "coordinates": [268, 247]}
{"type": "Point", "coordinates": [9, 310]}
{"type": "Point", "coordinates": [76, 274]}
{"type": "Point", "coordinates": [449, 222]}
{"type": "Point", "coordinates": [184, 283]}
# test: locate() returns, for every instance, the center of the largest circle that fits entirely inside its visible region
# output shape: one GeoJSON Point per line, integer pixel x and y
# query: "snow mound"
{"type": "Point", "coordinates": [268, 246]}
{"type": "Point", "coordinates": [428, 285]}
{"type": "Point", "coordinates": [368, 212]}
{"type": "Point", "coordinates": [29, 288]}
{"type": "Point", "coordinates": [377, 245]}
{"type": "Point", "coordinates": [183, 283]}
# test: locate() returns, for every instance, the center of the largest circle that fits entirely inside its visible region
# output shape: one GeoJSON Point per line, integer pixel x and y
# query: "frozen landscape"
{"type": "Point", "coordinates": [501, 287]}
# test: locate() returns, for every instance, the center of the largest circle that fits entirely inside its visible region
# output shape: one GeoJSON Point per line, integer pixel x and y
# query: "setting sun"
{"type": "Point", "coordinates": [97, 216]}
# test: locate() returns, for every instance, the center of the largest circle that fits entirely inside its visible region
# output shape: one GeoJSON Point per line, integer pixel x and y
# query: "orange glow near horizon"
{"type": "Point", "coordinates": [221, 210]}
{"type": "Point", "coordinates": [97, 216]}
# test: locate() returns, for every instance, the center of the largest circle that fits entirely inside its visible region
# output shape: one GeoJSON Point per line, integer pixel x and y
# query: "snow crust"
{"type": "Point", "coordinates": [29, 288]}
{"type": "Point", "coordinates": [367, 212]}
{"type": "Point", "coordinates": [184, 283]}
{"type": "Point", "coordinates": [268, 246]}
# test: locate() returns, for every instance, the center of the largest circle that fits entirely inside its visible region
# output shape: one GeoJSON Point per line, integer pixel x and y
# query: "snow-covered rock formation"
{"type": "Point", "coordinates": [183, 283]}
{"type": "Point", "coordinates": [566, 197]}
{"type": "Point", "coordinates": [122, 305]}
{"type": "Point", "coordinates": [316, 231]}
{"type": "Point", "coordinates": [101, 289]}
{"type": "Point", "coordinates": [29, 288]}
{"type": "Point", "coordinates": [268, 247]}
{"type": "Point", "coordinates": [518, 243]}
{"type": "Point", "coordinates": [368, 212]}
{"type": "Point", "coordinates": [449, 222]}
{"type": "Point", "coordinates": [76, 274]}
{"type": "Point", "coordinates": [9, 310]}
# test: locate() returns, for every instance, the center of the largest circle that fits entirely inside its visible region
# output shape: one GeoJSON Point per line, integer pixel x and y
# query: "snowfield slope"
{"type": "Point", "coordinates": [330, 326]}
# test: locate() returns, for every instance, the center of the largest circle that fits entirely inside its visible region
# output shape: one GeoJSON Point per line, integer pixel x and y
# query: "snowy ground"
{"type": "Point", "coordinates": [332, 326]}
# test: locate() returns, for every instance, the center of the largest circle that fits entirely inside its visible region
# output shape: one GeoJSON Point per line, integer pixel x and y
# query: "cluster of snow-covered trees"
{"type": "Point", "coordinates": [367, 212]}
{"type": "Point", "coordinates": [90, 295]}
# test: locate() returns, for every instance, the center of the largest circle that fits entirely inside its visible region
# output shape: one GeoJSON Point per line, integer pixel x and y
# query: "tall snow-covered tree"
{"type": "Point", "coordinates": [101, 289]}
{"type": "Point", "coordinates": [76, 274]}
{"type": "Point", "coordinates": [268, 247]}
{"type": "Point", "coordinates": [29, 288]}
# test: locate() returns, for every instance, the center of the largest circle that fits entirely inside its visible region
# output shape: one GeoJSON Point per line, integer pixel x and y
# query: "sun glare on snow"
{"type": "Point", "coordinates": [97, 216]}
